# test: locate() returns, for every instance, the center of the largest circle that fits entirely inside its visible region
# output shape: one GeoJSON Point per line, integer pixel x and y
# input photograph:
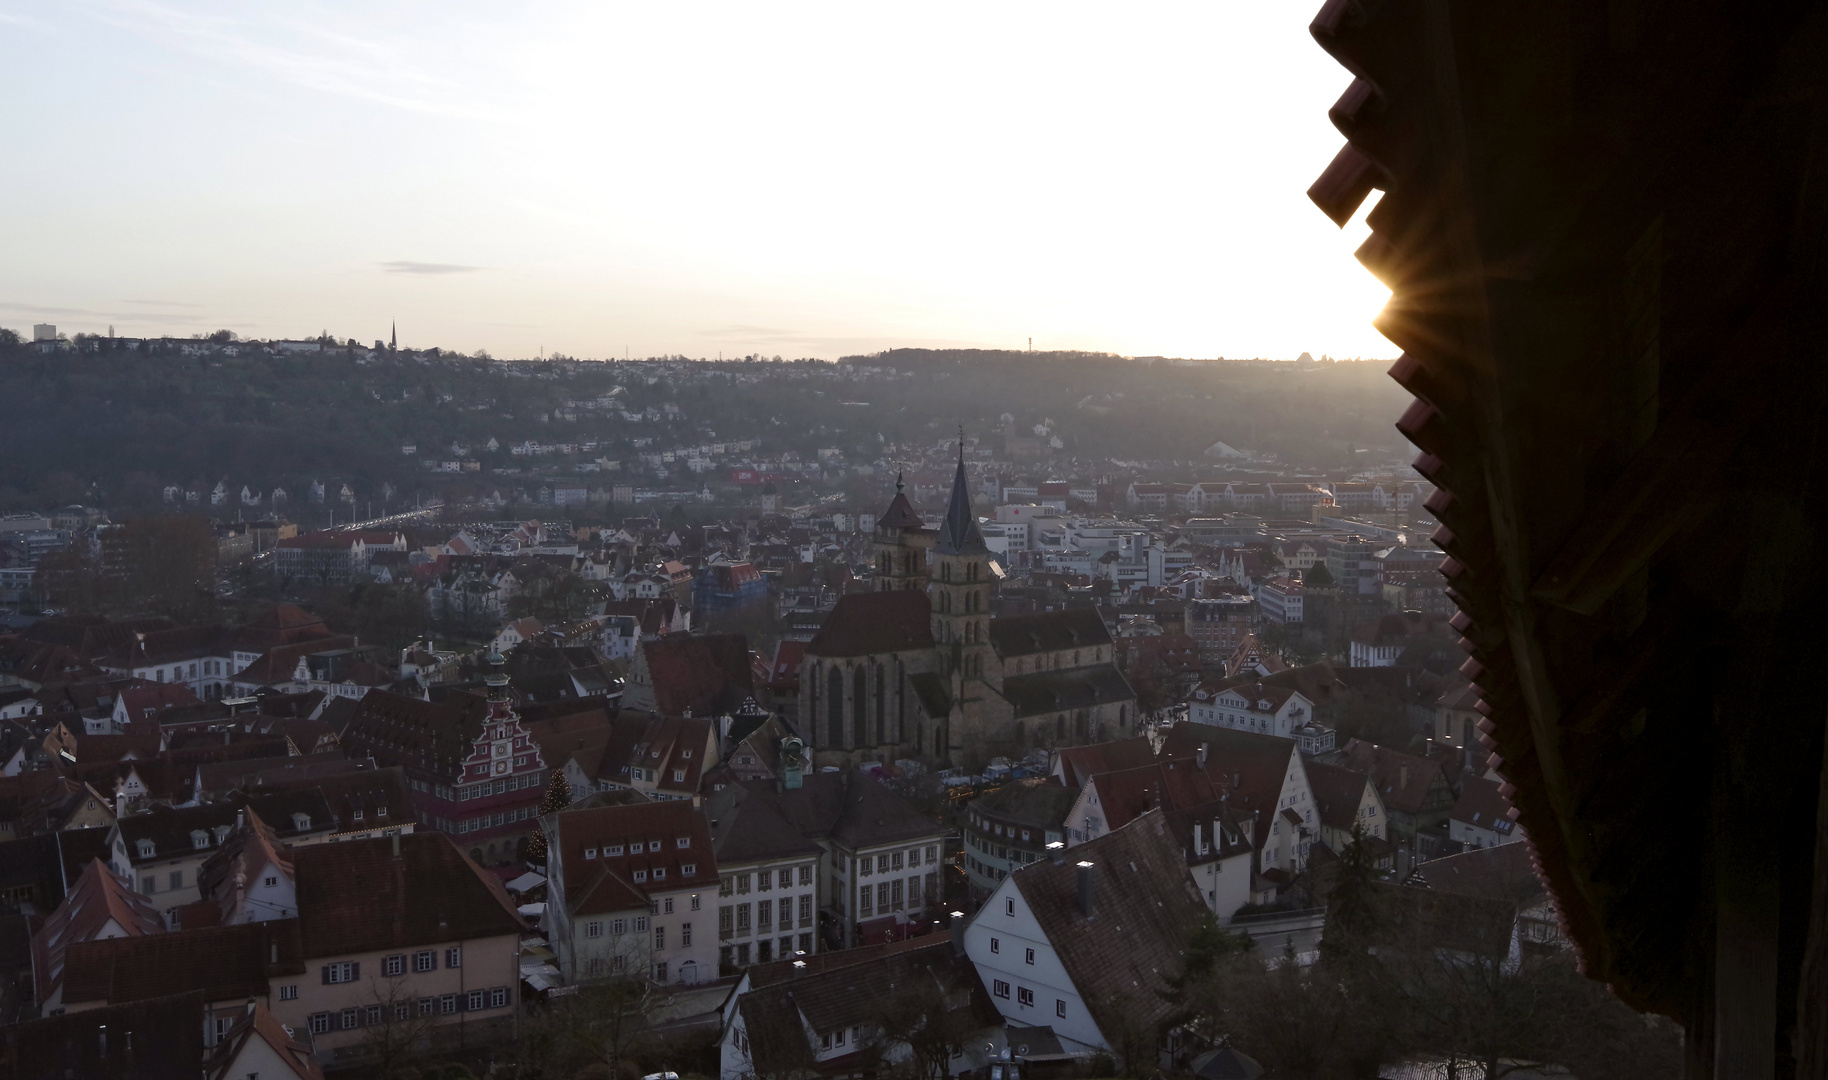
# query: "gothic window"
{"type": "Point", "coordinates": [877, 730]}
{"type": "Point", "coordinates": [945, 571]}
{"type": "Point", "coordinates": [834, 707]}
{"type": "Point", "coordinates": [859, 708]}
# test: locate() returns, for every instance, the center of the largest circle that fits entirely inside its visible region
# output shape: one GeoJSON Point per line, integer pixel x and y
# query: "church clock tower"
{"type": "Point", "coordinates": [898, 550]}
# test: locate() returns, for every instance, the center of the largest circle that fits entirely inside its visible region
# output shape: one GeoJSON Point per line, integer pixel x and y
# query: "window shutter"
{"type": "Point", "coordinates": [355, 971]}
{"type": "Point", "coordinates": [326, 974]}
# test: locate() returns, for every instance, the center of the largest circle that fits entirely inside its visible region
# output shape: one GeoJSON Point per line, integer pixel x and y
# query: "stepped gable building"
{"type": "Point", "coordinates": [474, 770]}
{"type": "Point", "coordinates": [920, 668]}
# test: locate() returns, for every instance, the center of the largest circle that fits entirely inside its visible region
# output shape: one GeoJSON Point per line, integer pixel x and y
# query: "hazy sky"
{"type": "Point", "coordinates": [783, 178]}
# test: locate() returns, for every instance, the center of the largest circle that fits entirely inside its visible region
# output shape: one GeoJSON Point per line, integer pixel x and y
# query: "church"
{"type": "Point", "coordinates": [919, 668]}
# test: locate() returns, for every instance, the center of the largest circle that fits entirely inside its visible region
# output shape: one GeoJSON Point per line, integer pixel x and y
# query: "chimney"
{"type": "Point", "coordinates": [1402, 776]}
{"type": "Point", "coordinates": [1199, 845]}
{"type": "Point", "coordinates": [1087, 890]}
{"type": "Point", "coordinates": [958, 933]}
{"type": "Point", "coordinates": [1200, 758]}
{"type": "Point", "coordinates": [396, 837]}
{"type": "Point", "coordinates": [1056, 851]}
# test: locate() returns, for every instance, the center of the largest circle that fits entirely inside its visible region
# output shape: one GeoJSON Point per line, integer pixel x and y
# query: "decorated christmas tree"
{"type": "Point", "coordinates": [558, 797]}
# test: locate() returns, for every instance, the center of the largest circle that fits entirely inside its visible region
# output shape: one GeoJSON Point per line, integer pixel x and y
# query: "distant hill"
{"type": "Point", "coordinates": [111, 422]}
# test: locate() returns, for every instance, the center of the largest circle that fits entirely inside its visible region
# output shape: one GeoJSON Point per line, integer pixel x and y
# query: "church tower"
{"type": "Point", "coordinates": [960, 583]}
{"type": "Point", "coordinates": [898, 550]}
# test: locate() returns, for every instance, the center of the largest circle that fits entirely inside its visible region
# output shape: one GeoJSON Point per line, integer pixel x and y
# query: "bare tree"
{"type": "Point", "coordinates": [404, 1032]}
{"type": "Point", "coordinates": [603, 1025]}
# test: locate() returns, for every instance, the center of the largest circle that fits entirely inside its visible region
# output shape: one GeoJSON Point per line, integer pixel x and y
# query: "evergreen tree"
{"type": "Point", "coordinates": [558, 797]}
{"type": "Point", "coordinates": [1353, 903]}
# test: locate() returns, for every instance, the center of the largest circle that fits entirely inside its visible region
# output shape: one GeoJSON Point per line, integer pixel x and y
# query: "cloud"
{"type": "Point", "coordinates": [405, 267]}
{"type": "Point", "coordinates": [339, 64]}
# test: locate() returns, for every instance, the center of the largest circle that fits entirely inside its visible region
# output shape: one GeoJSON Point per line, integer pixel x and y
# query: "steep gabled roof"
{"type": "Point", "coordinates": [746, 829]}
{"type": "Point", "coordinates": [704, 674]}
{"type": "Point", "coordinates": [600, 878]}
{"type": "Point", "coordinates": [357, 896]}
{"type": "Point", "coordinates": [258, 1023]}
{"type": "Point", "coordinates": [1073, 688]}
{"type": "Point", "coordinates": [853, 809]}
{"type": "Point", "coordinates": [1051, 631]}
{"type": "Point", "coordinates": [1337, 791]}
{"type": "Point", "coordinates": [1077, 764]}
{"type": "Point", "coordinates": [1145, 909]}
{"type": "Point", "coordinates": [97, 900]}
{"type": "Point", "coordinates": [225, 962]}
{"type": "Point", "coordinates": [867, 624]}
{"type": "Point", "coordinates": [1169, 784]}
{"type": "Point", "coordinates": [164, 1042]}
{"type": "Point", "coordinates": [1403, 780]}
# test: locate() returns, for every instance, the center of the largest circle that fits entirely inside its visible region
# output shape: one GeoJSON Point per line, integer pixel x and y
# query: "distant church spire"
{"type": "Point", "coordinates": [959, 534]}
{"type": "Point", "coordinates": [393, 341]}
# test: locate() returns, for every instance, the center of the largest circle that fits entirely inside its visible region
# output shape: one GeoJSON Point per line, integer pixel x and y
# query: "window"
{"type": "Point", "coordinates": [764, 915]}
{"type": "Point", "coordinates": [1060, 1007]}
{"type": "Point", "coordinates": [865, 867]}
{"type": "Point", "coordinates": [289, 992]}
{"type": "Point", "coordinates": [640, 875]}
{"type": "Point", "coordinates": [685, 935]}
{"type": "Point", "coordinates": [806, 875]}
{"type": "Point", "coordinates": [177, 879]}
{"type": "Point", "coordinates": [447, 1004]}
{"type": "Point", "coordinates": [787, 879]}
{"type": "Point", "coordinates": [660, 971]}
{"type": "Point", "coordinates": [393, 965]}
{"type": "Point", "coordinates": [882, 862]}
{"type": "Point", "coordinates": [659, 937]}
{"type": "Point", "coordinates": [764, 881]}
{"type": "Point", "coordinates": [1031, 955]}
{"type": "Point", "coordinates": [149, 884]}
{"type": "Point", "coordinates": [374, 1014]}
{"type": "Point", "coordinates": [641, 924]}
{"type": "Point", "coordinates": [932, 853]}
{"type": "Point", "coordinates": [453, 956]}
{"type": "Point", "coordinates": [344, 972]}
{"type": "Point", "coordinates": [594, 928]}
{"type": "Point", "coordinates": [694, 904]}
{"type": "Point", "coordinates": [999, 988]}
{"type": "Point", "coordinates": [688, 869]}
{"type": "Point", "coordinates": [742, 918]}
{"type": "Point", "coordinates": [895, 861]}
{"type": "Point", "coordinates": [590, 853]}
{"type": "Point", "coordinates": [806, 911]}
{"type": "Point", "coordinates": [612, 850]}
{"type": "Point", "coordinates": [351, 1019]}
{"type": "Point", "coordinates": [425, 960]}
{"type": "Point", "coordinates": [667, 905]}
{"type": "Point", "coordinates": [477, 997]}
{"type": "Point", "coordinates": [272, 880]}
{"type": "Point", "coordinates": [320, 1023]}
{"type": "Point", "coordinates": [618, 927]}
{"type": "Point", "coordinates": [403, 1011]}
{"type": "Point", "coordinates": [1009, 905]}
{"type": "Point", "coordinates": [996, 945]}
{"type": "Point", "coordinates": [1025, 996]}
{"type": "Point", "coordinates": [427, 1006]}
{"type": "Point", "coordinates": [498, 997]}
{"type": "Point", "coordinates": [806, 943]}
{"type": "Point", "coordinates": [653, 845]}
{"type": "Point", "coordinates": [659, 872]}
{"type": "Point", "coordinates": [742, 883]}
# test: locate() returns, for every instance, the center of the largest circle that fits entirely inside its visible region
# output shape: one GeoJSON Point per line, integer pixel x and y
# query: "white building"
{"type": "Point", "coordinates": [1085, 944]}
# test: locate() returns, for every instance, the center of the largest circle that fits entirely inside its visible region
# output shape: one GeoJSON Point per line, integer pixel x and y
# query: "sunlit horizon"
{"type": "Point", "coordinates": [814, 181]}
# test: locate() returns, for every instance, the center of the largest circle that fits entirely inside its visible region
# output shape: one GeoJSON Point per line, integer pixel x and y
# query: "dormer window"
{"type": "Point", "coordinates": [653, 845]}
{"type": "Point", "coordinates": [684, 841]}
{"type": "Point", "coordinates": [147, 849]}
{"type": "Point", "coordinates": [613, 849]}
{"type": "Point", "coordinates": [380, 811]}
{"type": "Point", "coordinates": [357, 815]}
{"type": "Point", "coordinates": [222, 832]}
{"type": "Point", "coordinates": [590, 853]}
{"type": "Point", "coordinates": [660, 875]}
{"type": "Point", "coordinates": [199, 839]}
{"type": "Point", "coordinates": [641, 875]}
{"type": "Point", "coordinates": [301, 821]}
{"type": "Point", "coordinates": [686, 754]}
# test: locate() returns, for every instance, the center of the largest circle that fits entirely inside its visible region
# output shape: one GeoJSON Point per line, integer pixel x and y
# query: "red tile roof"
{"type": "Point", "coordinates": [706, 674]}
{"type": "Point", "coordinates": [97, 899]}
{"type": "Point", "coordinates": [357, 896]}
{"type": "Point", "coordinates": [605, 847]}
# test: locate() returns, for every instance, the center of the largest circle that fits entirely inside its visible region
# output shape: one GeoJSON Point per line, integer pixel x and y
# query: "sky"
{"type": "Point", "coordinates": [608, 179]}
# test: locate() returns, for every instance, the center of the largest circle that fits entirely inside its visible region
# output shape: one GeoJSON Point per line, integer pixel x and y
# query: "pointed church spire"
{"type": "Point", "coordinates": [393, 341]}
{"type": "Point", "coordinates": [899, 486]}
{"type": "Point", "coordinates": [959, 534]}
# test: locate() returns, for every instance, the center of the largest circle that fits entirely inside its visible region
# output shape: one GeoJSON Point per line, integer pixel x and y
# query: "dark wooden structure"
{"type": "Point", "coordinates": [1603, 224]}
